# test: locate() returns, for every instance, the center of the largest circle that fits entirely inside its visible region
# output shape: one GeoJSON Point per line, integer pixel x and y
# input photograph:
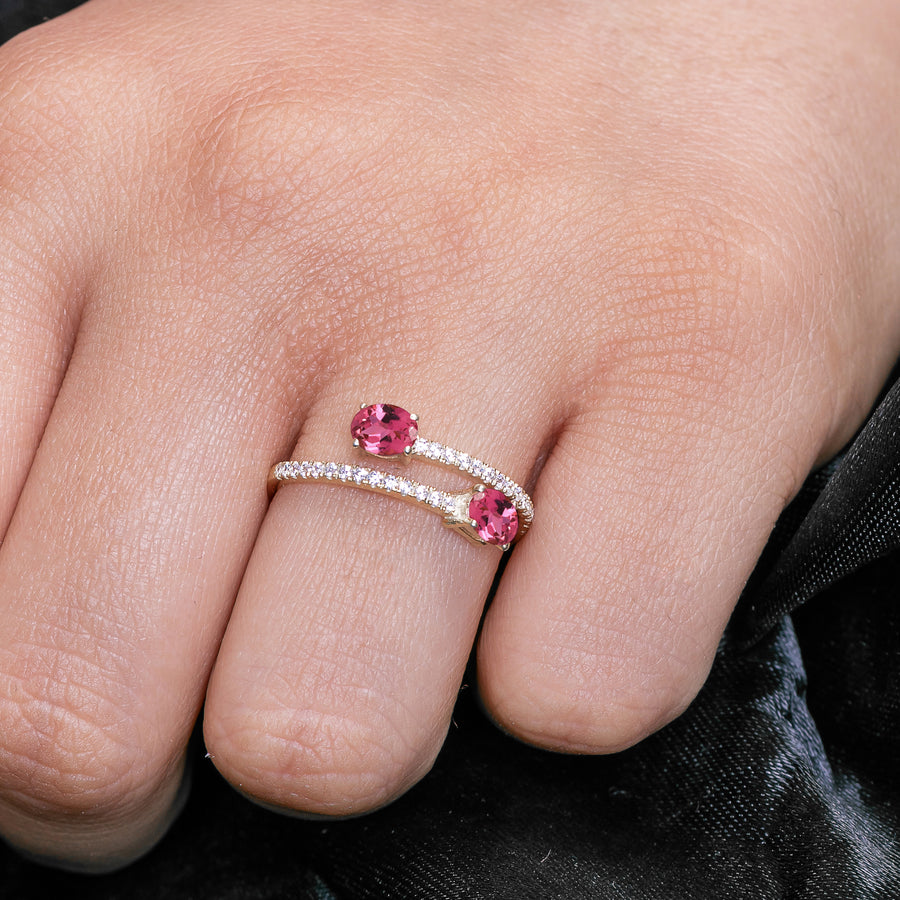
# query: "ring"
{"type": "Point", "coordinates": [495, 511]}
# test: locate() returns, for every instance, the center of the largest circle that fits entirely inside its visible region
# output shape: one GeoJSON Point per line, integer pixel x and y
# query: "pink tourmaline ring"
{"type": "Point", "coordinates": [495, 511]}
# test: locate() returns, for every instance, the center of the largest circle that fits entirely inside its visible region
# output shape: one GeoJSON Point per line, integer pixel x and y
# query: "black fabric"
{"type": "Point", "coordinates": [17, 15]}
{"type": "Point", "coordinates": [854, 520]}
{"type": "Point", "coordinates": [780, 781]}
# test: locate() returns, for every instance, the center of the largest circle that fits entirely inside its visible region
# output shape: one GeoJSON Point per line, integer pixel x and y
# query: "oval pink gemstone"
{"type": "Point", "coordinates": [384, 430]}
{"type": "Point", "coordinates": [495, 517]}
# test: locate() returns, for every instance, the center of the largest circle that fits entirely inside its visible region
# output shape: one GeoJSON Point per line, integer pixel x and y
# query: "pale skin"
{"type": "Point", "coordinates": [641, 257]}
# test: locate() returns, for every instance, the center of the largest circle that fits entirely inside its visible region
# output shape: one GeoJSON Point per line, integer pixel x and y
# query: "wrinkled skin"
{"type": "Point", "coordinates": [641, 258]}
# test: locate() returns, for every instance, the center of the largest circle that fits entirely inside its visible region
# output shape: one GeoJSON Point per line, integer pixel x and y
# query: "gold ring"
{"type": "Point", "coordinates": [494, 511]}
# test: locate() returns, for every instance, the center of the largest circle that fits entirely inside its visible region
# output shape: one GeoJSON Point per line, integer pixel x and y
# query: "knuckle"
{"type": "Point", "coordinates": [50, 132]}
{"type": "Point", "coordinates": [322, 762]}
{"type": "Point", "coordinates": [258, 157]}
{"type": "Point", "coordinates": [569, 718]}
{"type": "Point", "coordinates": [270, 182]}
{"type": "Point", "coordinates": [593, 694]}
{"type": "Point", "coordinates": [66, 750]}
{"type": "Point", "coordinates": [38, 86]}
{"type": "Point", "coordinates": [707, 316]}
{"type": "Point", "coordinates": [692, 288]}
{"type": "Point", "coordinates": [23, 59]}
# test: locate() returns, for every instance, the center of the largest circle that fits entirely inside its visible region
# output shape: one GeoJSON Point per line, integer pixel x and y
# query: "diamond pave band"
{"type": "Point", "coordinates": [495, 511]}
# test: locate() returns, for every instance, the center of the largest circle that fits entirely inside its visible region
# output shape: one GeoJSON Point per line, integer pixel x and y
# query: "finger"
{"type": "Point", "coordinates": [651, 512]}
{"type": "Point", "coordinates": [336, 679]}
{"type": "Point", "coordinates": [120, 565]}
{"type": "Point", "coordinates": [37, 319]}
{"type": "Point", "coordinates": [42, 275]}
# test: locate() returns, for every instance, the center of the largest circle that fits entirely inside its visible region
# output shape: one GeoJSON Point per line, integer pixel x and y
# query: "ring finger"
{"type": "Point", "coordinates": [334, 685]}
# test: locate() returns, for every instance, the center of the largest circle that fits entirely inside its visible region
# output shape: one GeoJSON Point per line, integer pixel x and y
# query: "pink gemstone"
{"type": "Point", "coordinates": [495, 517]}
{"type": "Point", "coordinates": [384, 430]}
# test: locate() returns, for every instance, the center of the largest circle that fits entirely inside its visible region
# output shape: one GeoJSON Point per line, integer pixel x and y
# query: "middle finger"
{"type": "Point", "coordinates": [335, 683]}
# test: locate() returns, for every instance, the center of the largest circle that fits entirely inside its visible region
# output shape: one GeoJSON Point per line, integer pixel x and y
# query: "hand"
{"type": "Point", "coordinates": [642, 259]}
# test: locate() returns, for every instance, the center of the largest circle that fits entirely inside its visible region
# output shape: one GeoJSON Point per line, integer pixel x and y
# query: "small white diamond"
{"type": "Point", "coordinates": [434, 498]}
{"type": "Point", "coordinates": [404, 488]}
{"type": "Point", "coordinates": [317, 470]}
{"type": "Point", "coordinates": [421, 493]}
{"type": "Point", "coordinates": [375, 479]}
{"type": "Point", "coordinates": [477, 468]}
{"type": "Point", "coordinates": [464, 461]}
{"type": "Point", "coordinates": [331, 470]}
{"type": "Point", "coordinates": [360, 475]}
{"type": "Point", "coordinates": [345, 473]}
{"type": "Point", "coordinates": [390, 483]}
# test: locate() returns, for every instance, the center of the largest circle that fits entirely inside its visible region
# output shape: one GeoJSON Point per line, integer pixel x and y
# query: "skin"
{"type": "Point", "coordinates": [640, 257]}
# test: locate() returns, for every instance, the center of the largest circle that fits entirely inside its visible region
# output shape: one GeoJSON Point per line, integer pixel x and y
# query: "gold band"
{"type": "Point", "coordinates": [453, 507]}
{"type": "Point", "coordinates": [495, 511]}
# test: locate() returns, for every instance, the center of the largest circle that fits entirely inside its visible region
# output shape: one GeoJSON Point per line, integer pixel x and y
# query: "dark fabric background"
{"type": "Point", "coordinates": [780, 781]}
{"type": "Point", "coordinates": [17, 15]}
